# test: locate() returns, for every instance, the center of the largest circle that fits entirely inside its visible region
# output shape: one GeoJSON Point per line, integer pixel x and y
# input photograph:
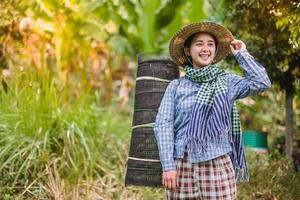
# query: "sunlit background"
{"type": "Point", "coordinates": [68, 70]}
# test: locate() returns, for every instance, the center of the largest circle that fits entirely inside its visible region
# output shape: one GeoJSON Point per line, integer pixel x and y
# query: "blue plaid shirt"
{"type": "Point", "coordinates": [175, 108]}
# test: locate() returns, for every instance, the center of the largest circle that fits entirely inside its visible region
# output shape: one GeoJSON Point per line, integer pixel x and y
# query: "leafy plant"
{"type": "Point", "coordinates": [147, 26]}
{"type": "Point", "coordinates": [40, 127]}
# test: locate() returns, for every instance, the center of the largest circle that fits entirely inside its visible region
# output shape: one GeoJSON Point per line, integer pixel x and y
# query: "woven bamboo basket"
{"type": "Point", "coordinates": [143, 164]}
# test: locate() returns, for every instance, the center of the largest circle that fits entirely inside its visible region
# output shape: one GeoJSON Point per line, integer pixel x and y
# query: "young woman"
{"type": "Point", "coordinates": [197, 126]}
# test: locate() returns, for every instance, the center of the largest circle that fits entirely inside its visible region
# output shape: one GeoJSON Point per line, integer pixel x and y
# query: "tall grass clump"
{"type": "Point", "coordinates": [43, 132]}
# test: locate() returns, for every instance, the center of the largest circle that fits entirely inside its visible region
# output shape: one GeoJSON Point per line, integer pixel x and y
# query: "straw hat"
{"type": "Point", "coordinates": [222, 34]}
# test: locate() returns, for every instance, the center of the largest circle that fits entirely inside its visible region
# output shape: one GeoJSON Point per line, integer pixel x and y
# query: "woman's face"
{"type": "Point", "coordinates": [202, 50]}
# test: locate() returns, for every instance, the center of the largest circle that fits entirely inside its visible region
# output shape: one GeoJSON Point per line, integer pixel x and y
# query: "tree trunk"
{"type": "Point", "coordinates": [289, 124]}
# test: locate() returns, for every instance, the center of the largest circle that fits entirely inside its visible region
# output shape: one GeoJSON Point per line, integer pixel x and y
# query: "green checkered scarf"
{"type": "Point", "coordinates": [209, 117]}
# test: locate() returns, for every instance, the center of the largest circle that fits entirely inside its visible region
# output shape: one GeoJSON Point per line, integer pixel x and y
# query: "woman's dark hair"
{"type": "Point", "coordinates": [189, 40]}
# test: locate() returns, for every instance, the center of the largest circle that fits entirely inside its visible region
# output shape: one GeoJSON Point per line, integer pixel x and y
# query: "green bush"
{"type": "Point", "coordinates": [272, 177]}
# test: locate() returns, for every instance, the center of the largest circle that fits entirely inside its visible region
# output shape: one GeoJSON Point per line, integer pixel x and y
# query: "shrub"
{"type": "Point", "coordinates": [271, 177]}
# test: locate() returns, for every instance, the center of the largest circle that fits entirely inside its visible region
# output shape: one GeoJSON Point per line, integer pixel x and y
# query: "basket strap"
{"type": "Point", "coordinates": [150, 125]}
{"type": "Point", "coordinates": [152, 78]}
{"type": "Point", "coordinates": [142, 159]}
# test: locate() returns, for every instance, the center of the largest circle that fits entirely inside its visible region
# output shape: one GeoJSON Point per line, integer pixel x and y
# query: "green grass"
{"type": "Point", "coordinates": [39, 128]}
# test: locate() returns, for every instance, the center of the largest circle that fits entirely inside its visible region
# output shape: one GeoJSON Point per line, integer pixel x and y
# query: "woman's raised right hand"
{"type": "Point", "coordinates": [169, 179]}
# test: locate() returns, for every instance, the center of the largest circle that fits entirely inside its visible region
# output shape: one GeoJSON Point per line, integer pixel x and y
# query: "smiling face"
{"type": "Point", "coordinates": [202, 49]}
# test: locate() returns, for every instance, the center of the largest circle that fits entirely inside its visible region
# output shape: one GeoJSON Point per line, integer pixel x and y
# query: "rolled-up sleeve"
{"type": "Point", "coordinates": [254, 81]}
{"type": "Point", "coordinates": [164, 127]}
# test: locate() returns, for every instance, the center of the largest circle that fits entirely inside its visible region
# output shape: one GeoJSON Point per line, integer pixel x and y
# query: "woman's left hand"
{"type": "Point", "coordinates": [236, 46]}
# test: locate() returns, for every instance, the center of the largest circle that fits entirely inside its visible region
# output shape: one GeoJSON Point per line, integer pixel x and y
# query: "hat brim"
{"type": "Point", "coordinates": [222, 34]}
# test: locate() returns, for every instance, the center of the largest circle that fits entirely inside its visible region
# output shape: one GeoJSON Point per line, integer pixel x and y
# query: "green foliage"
{"type": "Point", "coordinates": [62, 19]}
{"type": "Point", "coordinates": [128, 26]}
{"type": "Point", "coordinates": [271, 177]}
{"type": "Point", "coordinates": [147, 26]}
{"type": "Point", "coordinates": [255, 22]}
{"type": "Point", "coordinates": [39, 127]}
{"type": "Point", "coordinates": [290, 22]}
{"type": "Point", "coordinates": [71, 37]}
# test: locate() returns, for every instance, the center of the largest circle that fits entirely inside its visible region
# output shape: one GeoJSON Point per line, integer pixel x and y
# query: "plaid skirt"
{"type": "Point", "coordinates": [209, 180]}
